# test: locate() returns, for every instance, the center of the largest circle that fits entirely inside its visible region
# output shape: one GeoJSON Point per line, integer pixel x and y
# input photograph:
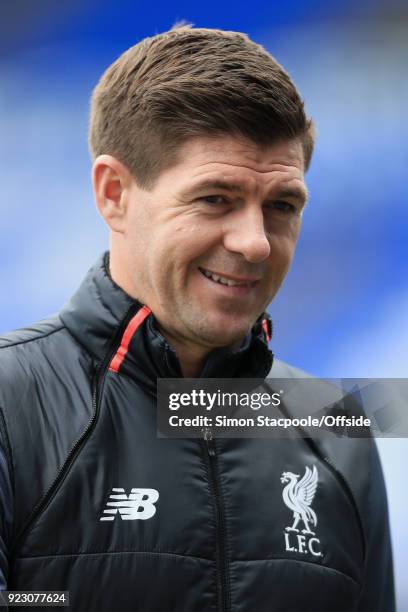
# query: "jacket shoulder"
{"type": "Point", "coordinates": [35, 332]}
{"type": "Point", "coordinates": [32, 353]}
{"type": "Point", "coordinates": [45, 404]}
{"type": "Point", "coordinates": [41, 365]}
{"type": "Point", "coordinates": [22, 354]}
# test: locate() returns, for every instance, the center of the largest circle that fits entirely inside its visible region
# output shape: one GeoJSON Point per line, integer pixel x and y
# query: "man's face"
{"type": "Point", "coordinates": [209, 245]}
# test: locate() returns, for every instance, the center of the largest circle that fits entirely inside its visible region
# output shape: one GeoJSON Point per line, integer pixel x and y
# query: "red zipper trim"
{"type": "Point", "coordinates": [266, 329]}
{"type": "Point", "coordinates": [130, 331]}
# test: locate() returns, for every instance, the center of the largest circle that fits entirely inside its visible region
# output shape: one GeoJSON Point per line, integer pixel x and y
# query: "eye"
{"type": "Point", "coordinates": [283, 207]}
{"type": "Point", "coordinates": [214, 200]}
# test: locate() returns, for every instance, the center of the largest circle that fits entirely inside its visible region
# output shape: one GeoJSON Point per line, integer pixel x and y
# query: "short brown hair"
{"type": "Point", "coordinates": [190, 82]}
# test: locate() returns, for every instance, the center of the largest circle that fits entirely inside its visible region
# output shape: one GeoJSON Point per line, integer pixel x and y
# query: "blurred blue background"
{"type": "Point", "coordinates": [344, 309]}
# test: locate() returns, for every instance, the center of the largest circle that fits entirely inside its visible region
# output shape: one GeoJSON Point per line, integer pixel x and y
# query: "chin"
{"type": "Point", "coordinates": [225, 334]}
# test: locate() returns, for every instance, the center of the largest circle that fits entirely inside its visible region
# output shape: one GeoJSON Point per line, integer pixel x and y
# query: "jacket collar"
{"type": "Point", "coordinates": [100, 313]}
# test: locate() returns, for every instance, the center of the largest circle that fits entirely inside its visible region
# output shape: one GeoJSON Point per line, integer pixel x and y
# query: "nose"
{"type": "Point", "coordinates": [246, 235]}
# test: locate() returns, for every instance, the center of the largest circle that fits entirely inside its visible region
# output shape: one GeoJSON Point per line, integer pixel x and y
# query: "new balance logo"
{"type": "Point", "coordinates": [139, 504]}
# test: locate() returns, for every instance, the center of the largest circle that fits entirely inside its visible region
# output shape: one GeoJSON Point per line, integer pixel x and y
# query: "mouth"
{"type": "Point", "coordinates": [229, 281]}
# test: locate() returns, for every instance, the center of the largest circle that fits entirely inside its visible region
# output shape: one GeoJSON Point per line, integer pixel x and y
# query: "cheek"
{"type": "Point", "coordinates": [189, 244]}
{"type": "Point", "coordinates": [167, 258]}
{"type": "Point", "coordinates": [138, 228]}
{"type": "Point", "coordinates": [282, 250]}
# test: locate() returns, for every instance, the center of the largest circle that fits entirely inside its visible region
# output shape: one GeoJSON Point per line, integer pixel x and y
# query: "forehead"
{"type": "Point", "coordinates": [239, 162]}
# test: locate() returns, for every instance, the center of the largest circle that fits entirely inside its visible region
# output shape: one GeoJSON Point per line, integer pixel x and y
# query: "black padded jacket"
{"type": "Point", "coordinates": [127, 521]}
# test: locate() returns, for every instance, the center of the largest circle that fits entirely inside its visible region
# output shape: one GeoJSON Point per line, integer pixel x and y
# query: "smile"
{"type": "Point", "coordinates": [223, 280]}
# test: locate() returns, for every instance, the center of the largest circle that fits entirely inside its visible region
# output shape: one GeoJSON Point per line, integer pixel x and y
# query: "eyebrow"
{"type": "Point", "coordinates": [298, 193]}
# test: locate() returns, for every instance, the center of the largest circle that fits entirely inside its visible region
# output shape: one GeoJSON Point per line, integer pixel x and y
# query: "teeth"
{"type": "Point", "coordinates": [221, 279]}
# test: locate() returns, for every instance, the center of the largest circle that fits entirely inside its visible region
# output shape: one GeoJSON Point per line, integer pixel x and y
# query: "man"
{"type": "Point", "coordinates": [200, 144]}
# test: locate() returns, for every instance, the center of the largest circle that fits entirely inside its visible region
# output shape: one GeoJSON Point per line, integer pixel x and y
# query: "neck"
{"type": "Point", "coordinates": [191, 356]}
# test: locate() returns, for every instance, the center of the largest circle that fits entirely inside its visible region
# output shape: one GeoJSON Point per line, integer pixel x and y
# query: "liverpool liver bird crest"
{"type": "Point", "coordinates": [299, 495]}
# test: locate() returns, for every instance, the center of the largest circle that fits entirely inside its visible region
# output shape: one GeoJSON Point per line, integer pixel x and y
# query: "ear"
{"type": "Point", "coordinates": [111, 181]}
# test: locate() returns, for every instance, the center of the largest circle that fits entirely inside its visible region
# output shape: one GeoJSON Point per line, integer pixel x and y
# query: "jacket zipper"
{"type": "Point", "coordinates": [75, 448]}
{"type": "Point", "coordinates": [222, 561]}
